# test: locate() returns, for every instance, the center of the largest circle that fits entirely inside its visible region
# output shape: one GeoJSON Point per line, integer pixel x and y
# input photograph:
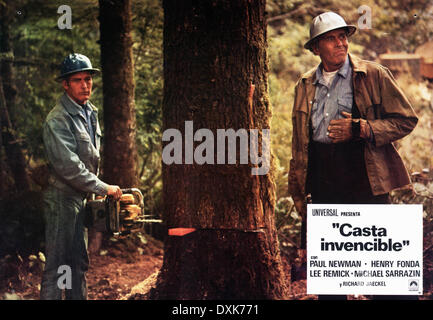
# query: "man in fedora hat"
{"type": "Point", "coordinates": [71, 135]}
{"type": "Point", "coordinates": [346, 114]}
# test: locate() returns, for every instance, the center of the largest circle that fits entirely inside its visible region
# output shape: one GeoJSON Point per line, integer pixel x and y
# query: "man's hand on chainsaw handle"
{"type": "Point", "coordinates": [114, 191]}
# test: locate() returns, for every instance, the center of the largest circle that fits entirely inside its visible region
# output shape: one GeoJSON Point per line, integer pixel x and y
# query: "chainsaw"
{"type": "Point", "coordinates": [118, 217]}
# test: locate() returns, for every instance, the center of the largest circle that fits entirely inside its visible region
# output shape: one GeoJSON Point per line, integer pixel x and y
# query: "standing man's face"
{"type": "Point", "coordinates": [332, 47]}
{"type": "Point", "coordinates": [79, 86]}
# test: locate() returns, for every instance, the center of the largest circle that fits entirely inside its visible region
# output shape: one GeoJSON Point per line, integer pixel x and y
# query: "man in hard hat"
{"type": "Point", "coordinates": [71, 135]}
{"type": "Point", "coordinates": [346, 114]}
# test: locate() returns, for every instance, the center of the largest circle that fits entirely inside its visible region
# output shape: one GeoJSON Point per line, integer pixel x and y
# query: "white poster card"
{"type": "Point", "coordinates": [364, 249]}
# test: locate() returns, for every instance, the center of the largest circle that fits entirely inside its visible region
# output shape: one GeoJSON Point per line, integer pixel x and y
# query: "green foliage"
{"type": "Point", "coordinates": [39, 47]}
{"type": "Point", "coordinates": [148, 28]}
{"type": "Point", "coordinates": [394, 29]}
{"type": "Point", "coordinates": [415, 147]}
{"type": "Point", "coordinates": [287, 61]}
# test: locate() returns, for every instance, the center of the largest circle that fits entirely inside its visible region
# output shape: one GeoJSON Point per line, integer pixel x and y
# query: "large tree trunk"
{"type": "Point", "coordinates": [213, 52]}
{"type": "Point", "coordinates": [120, 153]}
{"type": "Point", "coordinates": [14, 154]}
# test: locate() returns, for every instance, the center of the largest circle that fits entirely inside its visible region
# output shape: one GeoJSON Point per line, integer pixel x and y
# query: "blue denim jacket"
{"type": "Point", "coordinates": [330, 101]}
{"type": "Point", "coordinates": [73, 159]}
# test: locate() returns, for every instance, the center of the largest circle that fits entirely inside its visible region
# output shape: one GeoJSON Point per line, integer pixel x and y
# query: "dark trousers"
{"type": "Point", "coordinates": [337, 175]}
{"type": "Point", "coordinates": [65, 247]}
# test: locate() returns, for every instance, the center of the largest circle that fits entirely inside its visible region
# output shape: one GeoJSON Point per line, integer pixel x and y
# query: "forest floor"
{"type": "Point", "coordinates": [115, 268]}
{"type": "Point", "coordinates": [127, 268]}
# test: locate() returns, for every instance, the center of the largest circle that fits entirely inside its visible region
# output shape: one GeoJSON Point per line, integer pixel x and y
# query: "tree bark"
{"type": "Point", "coordinates": [120, 153]}
{"type": "Point", "coordinates": [213, 52]}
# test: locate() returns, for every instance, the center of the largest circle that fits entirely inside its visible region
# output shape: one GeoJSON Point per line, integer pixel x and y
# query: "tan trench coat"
{"type": "Point", "coordinates": [382, 103]}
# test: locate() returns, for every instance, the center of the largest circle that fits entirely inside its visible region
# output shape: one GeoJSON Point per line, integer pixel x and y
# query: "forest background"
{"type": "Point", "coordinates": [38, 47]}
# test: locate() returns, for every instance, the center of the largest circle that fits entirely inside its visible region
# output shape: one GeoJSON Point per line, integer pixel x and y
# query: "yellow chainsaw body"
{"type": "Point", "coordinates": [119, 217]}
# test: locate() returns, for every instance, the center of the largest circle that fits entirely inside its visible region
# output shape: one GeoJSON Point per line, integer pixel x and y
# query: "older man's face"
{"type": "Point", "coordinates": [332, 47]}
{"type": "Point", "coordinates": [79, 86]}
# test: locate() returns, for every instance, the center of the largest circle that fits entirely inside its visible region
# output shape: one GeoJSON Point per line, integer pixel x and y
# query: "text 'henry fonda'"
{"type": "Point", "coordinates": [204, 153]}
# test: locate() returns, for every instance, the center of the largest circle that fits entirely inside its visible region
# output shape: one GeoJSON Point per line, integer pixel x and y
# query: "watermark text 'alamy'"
{"type": "Point", "coordinates": [204, 153]}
